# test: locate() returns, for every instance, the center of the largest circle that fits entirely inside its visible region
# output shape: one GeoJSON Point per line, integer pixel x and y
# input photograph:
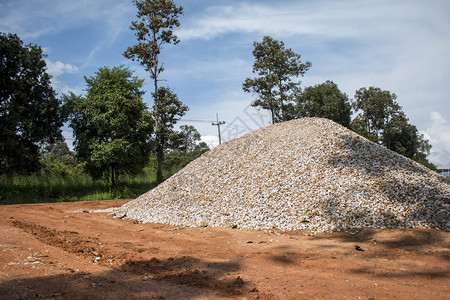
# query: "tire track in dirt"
{"type": "Point", "coordinates": [219, 278]}
{"type": "Point", "coordinates": [72, 242]}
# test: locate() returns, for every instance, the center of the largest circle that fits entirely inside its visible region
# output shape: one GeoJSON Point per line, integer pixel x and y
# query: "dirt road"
{"type": "Point", "coordinates": [64, 251]}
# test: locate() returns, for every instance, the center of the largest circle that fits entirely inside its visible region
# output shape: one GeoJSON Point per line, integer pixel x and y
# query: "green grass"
{"type": "Point", "coordinates": [20, 189]}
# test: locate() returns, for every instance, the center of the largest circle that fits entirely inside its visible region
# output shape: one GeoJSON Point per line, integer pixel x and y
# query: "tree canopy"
{"type": "Point", "coordinates": [326, 101]}
{"type": "Point", "coordinates": [376, 108]}
{"type": "Point", "coordinates": [111, 125]}
{"type": "Point", "coordinates": [276, 67]}
{"type": "Point", "coordinates": [30, 113]}
{"type": "Point", "coordinates": [381, 119]}
{"type": "Point", "coordinates": [187, 139]}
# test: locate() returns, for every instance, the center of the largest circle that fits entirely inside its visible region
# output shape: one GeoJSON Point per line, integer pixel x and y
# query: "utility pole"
{"type": "Point", "coordinates": [218, 126]}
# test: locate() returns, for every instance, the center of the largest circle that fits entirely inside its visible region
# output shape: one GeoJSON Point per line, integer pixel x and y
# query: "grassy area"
{"type": "Point", "coordinates": [20, 189]}
{"type": "Point", "coordinates": [56, 185]}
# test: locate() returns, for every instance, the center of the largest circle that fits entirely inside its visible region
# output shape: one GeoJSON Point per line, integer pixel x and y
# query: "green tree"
{"type": "Point", "coordinates": [276, 66]}
{"type": "Point", "coordinates": [381, 119]}
{"type": "Point", "coordinates": [111, 125]}
{"type": "Point", "coordinates": [30, 113]}
{"type": "Point", "coordinates": [187, 139]}
{"type": "Point", "coordinates": [423, 151]}
{"type": "Point", "coordinates": [58, 160]}
{"type": "Point", "coordinates": [325, 101]}
{"type": "Point", "coordinates": [58, 151]}
{"type": "Point", "coordinates": [170, 110]}
{"type": "Point", "coordinates": [377, 108]}
{"type": "Point", "coordinates": [202, 147]}
{"type": "Point", "coordinates": [360, 127]}
{"type": "Point", "coordinates": [154, 29]}
{"type": "Point", "coordinates": [404, 138]}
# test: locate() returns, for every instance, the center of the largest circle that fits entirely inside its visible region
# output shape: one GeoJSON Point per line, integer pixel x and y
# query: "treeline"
{"type": "Point", "coordinates": [377, 115]}
{"type": "Point", "coordinates": [113, 128]}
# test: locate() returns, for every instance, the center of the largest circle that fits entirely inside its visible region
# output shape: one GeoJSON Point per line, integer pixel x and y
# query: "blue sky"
{"type": "Point", "coordinates": [400, 46]}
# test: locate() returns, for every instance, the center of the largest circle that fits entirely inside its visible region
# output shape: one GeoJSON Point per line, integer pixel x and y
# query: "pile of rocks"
{"type": "Point", "coordinates": [308, 174]}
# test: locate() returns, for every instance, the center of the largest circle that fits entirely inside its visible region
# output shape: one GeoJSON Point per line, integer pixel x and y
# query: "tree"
{"type": "Point", "coordinates": [381, 119]}
{"type": "Point", "coordinates": [58, 160]}
{"type": "Point", "coordinates": [186, 140]}
{"type": "Point", "coordinates": [170, 110]}
{"type": "Point", "coordinates": [58, 151]}
{"type": "Point", "coordinates": [154, 29]}
{"type": "Point", "coordinates": [360, 127]}
{"type": "Point", "coordinates": [111, 125]}
{"type": "Point", "coordinates": [202, 146]}
{"type": "Point", "coordinates": [275, 87]}
{"type": "Point", "coordinates": [376, 108]}
{"type": "Point", "coordinates": [422, 153]}
{"type": "Point", "coordinates": [325, 101]}
{"type": "Point", "coordinates": [404, 138]}
{"type": "Point", "coordinates": [30, 113]}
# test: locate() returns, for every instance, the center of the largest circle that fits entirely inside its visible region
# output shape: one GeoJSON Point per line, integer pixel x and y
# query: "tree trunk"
{"type": "Point", "coordinates": [281, 101]}
{"type": "Point", "coordinates": [160, 148]}
{"type": "Point", "coordinates": [160, 159]}
{"type": "Point", "coordinates": [113, 179]}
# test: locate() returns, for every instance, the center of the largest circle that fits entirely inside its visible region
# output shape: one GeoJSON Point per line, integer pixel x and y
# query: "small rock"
{"type": "Point", "coordinates": [239, 281]}
{"type": "Point", "coordinates": [358, 248]}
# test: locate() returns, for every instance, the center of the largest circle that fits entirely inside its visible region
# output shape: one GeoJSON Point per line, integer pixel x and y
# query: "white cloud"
{"type": "Point", "coordinates": [211, 140]}
{"type": "Point", "coordinates": [65, 89]}
{"type": "Point", "coordinates": [439, 136]}
{"type": "Point", "coordinates": [319, 18]}
{"type": "Point", "coordinates": [32, 19]}
{"type": "Point", "coordinates": [58, 68]}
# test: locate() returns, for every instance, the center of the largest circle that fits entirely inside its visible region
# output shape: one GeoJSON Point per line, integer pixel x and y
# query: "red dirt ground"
{"type": "Point", "coordinates": [64, 251]}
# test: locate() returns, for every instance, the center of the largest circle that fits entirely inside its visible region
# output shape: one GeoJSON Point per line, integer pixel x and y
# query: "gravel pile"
{"type": "Point", "coordinates": [310, 174]}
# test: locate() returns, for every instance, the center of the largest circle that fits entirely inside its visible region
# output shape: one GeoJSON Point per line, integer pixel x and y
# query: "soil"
{"type": "Point", "coordinates": [65, 251]}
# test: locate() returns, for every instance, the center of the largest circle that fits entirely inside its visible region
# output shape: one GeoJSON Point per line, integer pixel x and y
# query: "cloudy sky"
{"type": "Point", "coordinates": [400, 46]}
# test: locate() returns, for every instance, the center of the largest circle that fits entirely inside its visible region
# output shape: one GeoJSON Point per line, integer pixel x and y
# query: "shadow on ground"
{"type": "Point", "coordinates": [430, 274]}
{"type": "Point", "coordinates": [173, 278]}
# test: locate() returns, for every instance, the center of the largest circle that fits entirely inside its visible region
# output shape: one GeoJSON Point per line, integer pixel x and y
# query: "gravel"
{"type": "Point", "coordinates": [308, 174]}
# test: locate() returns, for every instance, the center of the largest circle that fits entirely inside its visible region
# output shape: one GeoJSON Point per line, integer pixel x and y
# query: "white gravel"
{"type": "Point", "coordinates": [310, 174]}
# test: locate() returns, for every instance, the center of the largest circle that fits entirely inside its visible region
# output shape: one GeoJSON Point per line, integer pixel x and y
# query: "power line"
{"type": "Point", "coordinates": [190, 120]}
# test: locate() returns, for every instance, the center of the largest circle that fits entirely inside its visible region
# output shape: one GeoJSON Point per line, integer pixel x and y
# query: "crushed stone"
{"type": "Point", "coordinates": [306, 174]}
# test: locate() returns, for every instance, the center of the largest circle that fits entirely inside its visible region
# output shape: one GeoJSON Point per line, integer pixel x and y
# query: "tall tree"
{"type": "Point", "coordinates": [112, 126]}
{"type": "Point", "coordinates": [376, 108]}
{"type": "Point", "coordinates": [276, 67]}
{"type": "Point", "coordinates": [154, 29]}
{"type": "Point", "coordinates": [326, 101]}
{"type": "Point", "coordinates": [170, 110]}
{"type": "Point", "coordinates": [381, 119]}
{"type": "Point", "coordinates": [30, 113]}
